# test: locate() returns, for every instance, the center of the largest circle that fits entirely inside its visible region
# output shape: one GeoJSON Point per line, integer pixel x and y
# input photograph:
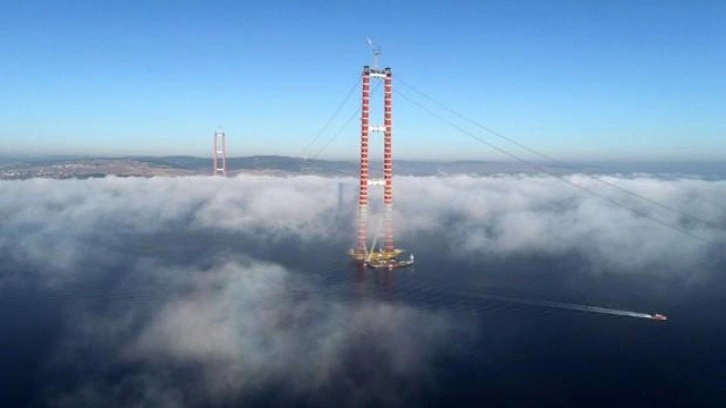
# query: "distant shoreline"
{"type": "Point", "coordinates": [175, 166]}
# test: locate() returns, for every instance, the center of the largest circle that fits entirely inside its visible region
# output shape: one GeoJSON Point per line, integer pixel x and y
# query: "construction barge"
{"type": "Point", "coordinates": [382, 259]}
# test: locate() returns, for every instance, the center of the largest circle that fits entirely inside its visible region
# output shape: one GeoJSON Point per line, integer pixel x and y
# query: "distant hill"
{"type": "Point", "coordinates": [174, 166]}
{"type": "Point", "coordinates": [142, 166]}
{"type": "Point", "coordinates": [257, 163]}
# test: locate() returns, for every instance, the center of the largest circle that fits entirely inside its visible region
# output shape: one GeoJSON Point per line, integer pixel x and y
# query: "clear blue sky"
{"type": "Point", "coordinates": [575, 79]}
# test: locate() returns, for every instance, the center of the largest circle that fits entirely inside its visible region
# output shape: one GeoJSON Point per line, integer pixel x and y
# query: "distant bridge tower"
{"type": "Point", "coordinates": [220, 154]}
{"type": "Point", "coordinates": [362, 253]}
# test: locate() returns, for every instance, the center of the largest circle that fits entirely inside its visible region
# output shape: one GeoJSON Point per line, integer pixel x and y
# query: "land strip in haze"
{"type": "Point", "coordinates": [175, 166]}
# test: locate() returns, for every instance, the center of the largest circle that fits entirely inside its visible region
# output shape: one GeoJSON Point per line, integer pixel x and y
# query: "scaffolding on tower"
{"type": "Point", "coordinates": [388, 256]}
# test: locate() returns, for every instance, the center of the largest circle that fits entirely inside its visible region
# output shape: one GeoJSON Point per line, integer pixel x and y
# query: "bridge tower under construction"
{"type": "Point", "coordinates": [388, 254]}
{"type": "Point", "coordinates": [219, 154]}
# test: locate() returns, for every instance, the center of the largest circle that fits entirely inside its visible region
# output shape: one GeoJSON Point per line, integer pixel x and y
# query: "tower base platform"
{"type": "Point", "coordinates": [382, 259]}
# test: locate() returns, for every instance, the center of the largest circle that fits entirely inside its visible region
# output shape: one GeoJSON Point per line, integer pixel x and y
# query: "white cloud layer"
{"type": "Point", "coordinates": [242, 325]}
{"type": "Point", "coordinates": [56, 225]}
{"type": "Point", "coordinates": [524, 214]}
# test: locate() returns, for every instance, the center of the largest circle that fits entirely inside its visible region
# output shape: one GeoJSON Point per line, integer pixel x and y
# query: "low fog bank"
{"type": "Point", "coordinates": [203, 290]}
{"type": "Point", "coordinates": [57, 225]}
{"type": "Point", "coordinates": [516, 215]}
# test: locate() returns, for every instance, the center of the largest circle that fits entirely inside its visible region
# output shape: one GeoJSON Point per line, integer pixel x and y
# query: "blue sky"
{"type": "Point", "coordinates": [574, 79]}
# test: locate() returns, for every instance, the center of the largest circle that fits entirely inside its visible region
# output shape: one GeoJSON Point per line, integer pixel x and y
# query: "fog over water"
{"type": "Point", "coordinates": [207, 291]}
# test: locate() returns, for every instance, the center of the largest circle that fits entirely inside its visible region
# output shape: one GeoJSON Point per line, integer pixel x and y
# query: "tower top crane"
{"type": "Point", "coordinates": [376, 50]}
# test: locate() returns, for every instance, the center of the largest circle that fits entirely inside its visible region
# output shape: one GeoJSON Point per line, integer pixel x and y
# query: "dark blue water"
{"type": "Point", "coordinates": [491, 351]}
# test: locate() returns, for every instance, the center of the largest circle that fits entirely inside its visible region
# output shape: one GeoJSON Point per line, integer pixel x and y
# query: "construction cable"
{"type": "Point", "coordinates": [550, 173]}
{"type": "Point", "coordinates": [552, 160]}
{"type": "Point", "coordinates": [331, 119]}
{"type": "Point", "coordinates": [342, 128]}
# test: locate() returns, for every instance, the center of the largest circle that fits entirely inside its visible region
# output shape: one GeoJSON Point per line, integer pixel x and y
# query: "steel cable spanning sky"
{"type": "Point", "coordinates": [556, 163]}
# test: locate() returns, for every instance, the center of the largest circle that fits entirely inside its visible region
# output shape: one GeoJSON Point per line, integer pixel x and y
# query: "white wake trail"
{"type": "Point", "coordinates": [571, 306]}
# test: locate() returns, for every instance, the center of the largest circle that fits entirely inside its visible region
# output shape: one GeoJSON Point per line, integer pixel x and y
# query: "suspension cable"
{"type": "Point", "coordinates": [331, 119]}
{"type": "Point", "coordinates": [550, 173]}
{"type": "Point", "coordinates": [342, 128]}
{"type": "Point", "coordinates": [552, 160]}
